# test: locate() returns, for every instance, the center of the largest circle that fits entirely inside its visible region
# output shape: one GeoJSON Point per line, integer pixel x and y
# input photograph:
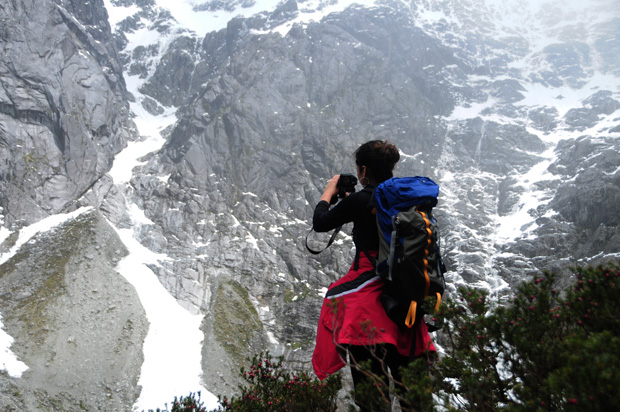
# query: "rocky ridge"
{"type": "Point", "coordinates": [79, 325]}
{"type": "Point", "coordinates": [63, 106]}
{"type": "Point", "coordinates": [264, 119]}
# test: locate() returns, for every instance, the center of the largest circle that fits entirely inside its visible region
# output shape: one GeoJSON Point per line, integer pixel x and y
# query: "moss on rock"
{"type": "Point", "coordinates": [49, 283]}
{"type": "Point", "coordinates": [236, 320]}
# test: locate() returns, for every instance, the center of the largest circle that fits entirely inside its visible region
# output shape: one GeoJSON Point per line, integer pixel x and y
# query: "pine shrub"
{"type": "Point", "coordinates": [544, 351]}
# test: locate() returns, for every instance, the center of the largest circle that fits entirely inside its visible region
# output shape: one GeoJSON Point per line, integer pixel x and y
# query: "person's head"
{"type": "Point", "coordinates": [375, 161]}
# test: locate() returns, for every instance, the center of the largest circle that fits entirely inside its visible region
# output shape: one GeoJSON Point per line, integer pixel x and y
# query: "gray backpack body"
{"type": "Point", "coordinates": [409, 258]}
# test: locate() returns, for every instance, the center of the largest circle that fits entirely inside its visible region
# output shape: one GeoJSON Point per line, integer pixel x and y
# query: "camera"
{"type": "Point", "coordinates": [346, 184]}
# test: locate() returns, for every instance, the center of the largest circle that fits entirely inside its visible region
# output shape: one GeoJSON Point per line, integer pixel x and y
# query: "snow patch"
{"type": "Point", "coordinates": [28, 232]}
{"type": "Point", "coordinates": [521, 222]}
{"type": "Point", "coordinates": [116, 14]}
{"type": "Point", "coordinates": [8, 361]}
{"type": "Point", "coordinates": [173, 345]}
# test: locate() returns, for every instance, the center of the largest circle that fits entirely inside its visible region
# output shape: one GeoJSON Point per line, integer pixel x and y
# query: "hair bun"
{"type": "Point", "coordinates": [391, 153]}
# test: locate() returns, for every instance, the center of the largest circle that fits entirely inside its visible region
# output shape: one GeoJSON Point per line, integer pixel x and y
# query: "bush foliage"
{"type": "Point", "coordinates": [545, 350]}
{"type": "Point", "coordinates": [268, 387]}
{"type": "Point", "coordinates": [271, 388]}
{"type": "Point", "coordinates": [191, 403]}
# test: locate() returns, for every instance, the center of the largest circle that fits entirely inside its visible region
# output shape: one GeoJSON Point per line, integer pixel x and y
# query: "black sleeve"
{"type": "Point", "coordinates": [347, 210]}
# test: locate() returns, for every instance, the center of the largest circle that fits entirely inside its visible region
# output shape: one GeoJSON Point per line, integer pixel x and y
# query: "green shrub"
{"type": "Point", "coordinates": [271, 388]}
{"type": "Point", "coordinates": [189, 403]}
{"type": "Point", "coordinates": [544, 351]}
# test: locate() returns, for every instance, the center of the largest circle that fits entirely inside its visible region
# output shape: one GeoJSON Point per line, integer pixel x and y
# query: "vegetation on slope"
{"type": "Point", "coordinates": [545, 350]}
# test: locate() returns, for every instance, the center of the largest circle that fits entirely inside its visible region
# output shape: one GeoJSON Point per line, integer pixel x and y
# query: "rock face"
{"type": "Point", "coordinates": [78, 324]}
{"type": "Point", "coordinates": [63, 111]}
{"type": "Point", "coordinates": [521, 138]}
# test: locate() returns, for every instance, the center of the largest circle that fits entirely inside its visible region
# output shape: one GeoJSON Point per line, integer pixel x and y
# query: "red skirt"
{"type": "Point", "coordinates": [352, 314]}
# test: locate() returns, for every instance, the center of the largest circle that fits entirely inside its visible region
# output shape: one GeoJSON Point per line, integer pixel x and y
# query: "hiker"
{"type": "Point", "coordinates": [352, 318]}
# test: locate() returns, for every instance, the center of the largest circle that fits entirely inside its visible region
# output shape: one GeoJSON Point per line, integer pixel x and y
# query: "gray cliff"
{"type": "Point", "coordinates": [263, 120]}
{"type": "Point", "coordinates": [63, 105]}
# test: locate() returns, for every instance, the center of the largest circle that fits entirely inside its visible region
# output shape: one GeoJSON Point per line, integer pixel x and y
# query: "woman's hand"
{"type": "Point", "coordinates": [331, 189]}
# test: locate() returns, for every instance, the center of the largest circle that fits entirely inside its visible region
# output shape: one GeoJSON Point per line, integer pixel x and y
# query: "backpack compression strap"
{"type": "Point", "coordinates": [413, 306]}
{"type": "Point", "coordinates": [426, 251]}
{"type": "Point", "coordinates": [438, 303]}
{"type": "Point", "coordinates": [410, 319]}
{"type": "Point", "coordinates": [390, 259]}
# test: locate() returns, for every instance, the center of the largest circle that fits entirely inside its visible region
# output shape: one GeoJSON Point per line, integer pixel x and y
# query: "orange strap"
{"type": "Point", "coordinates": [426, 251]}
{"type": "Point", "coordinates": [438, 302]}
{"type": "Point", "coordinates": [410, 319]}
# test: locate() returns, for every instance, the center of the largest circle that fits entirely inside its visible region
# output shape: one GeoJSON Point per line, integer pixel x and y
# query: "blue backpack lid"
{"type": "Point", "coordinates": [401, 193]}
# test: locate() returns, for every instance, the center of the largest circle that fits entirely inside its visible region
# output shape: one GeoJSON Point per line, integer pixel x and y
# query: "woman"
{"type": "Point", "coordinates": [352, 317]}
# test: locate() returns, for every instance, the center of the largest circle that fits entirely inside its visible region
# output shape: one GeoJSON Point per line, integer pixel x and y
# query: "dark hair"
{"type": "Point", "coordinates": [379, 157]}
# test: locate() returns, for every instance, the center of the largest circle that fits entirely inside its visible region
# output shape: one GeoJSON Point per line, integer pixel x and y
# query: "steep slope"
{"type": "Point", "coordinates": [545, 73]}
{"type": "Point", "coordinates": [511, 107]}
{"type": "Point", "coordinates": [463, 94]}
{"type": "Point", "coordinates": [78, 326]}
{"type": "Point", "coordinates": [63, 112]}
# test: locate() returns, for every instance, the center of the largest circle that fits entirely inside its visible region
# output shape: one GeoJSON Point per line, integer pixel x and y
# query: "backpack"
{"type": "Point", "coordinates": [409, 258]}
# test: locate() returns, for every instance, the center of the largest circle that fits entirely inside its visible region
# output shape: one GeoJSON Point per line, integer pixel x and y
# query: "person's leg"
{"type": "Point", "coordinates": [422, 401]}
{"type": "Point", "coordinates": [396, 361]}
{"type": "Point", "coordinates": [371, 381]}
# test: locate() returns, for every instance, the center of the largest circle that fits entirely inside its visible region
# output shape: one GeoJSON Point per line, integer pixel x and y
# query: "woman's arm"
{"type": "Point", "coordinates": [345, 211]}
{"type": "Point", "coordinates": [331, 189]}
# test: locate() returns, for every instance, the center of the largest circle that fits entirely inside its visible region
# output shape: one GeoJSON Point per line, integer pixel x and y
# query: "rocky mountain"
{"type": "Point", "coordinates": [195, 144]}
